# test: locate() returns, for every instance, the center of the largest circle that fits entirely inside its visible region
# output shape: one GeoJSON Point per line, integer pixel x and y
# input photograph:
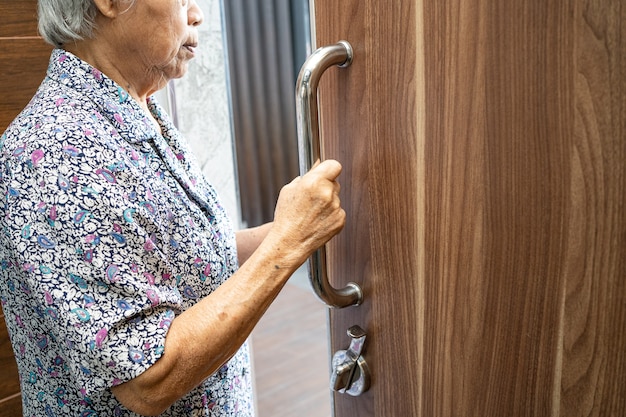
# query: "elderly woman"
{"type": "Point", "coordinates": [120, 280]}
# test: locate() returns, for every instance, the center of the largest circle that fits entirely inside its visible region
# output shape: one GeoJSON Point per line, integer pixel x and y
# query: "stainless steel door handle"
{"type": "Point", "coordinates": [309, 147]}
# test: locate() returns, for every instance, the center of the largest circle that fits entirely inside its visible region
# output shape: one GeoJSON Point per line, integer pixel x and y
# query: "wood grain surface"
{"type": "Point", "coordinates": [526, 169]}
{"type": "Point", "coordinates": [485, 147]}
{"type": "Point", "coordinates": [23, 64]}
{"type": "Point", "coordinates": [368, 111]}
{"type": "Point", "coordinates": [9, 382]}
{"type": "Point", "coordinates": [11, 406]}
{"type": "Point", "coordinates": [18, 18]}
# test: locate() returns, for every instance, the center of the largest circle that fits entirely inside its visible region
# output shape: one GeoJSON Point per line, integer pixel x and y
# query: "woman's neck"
{"type": "Point", "coordinates": [119, 70]}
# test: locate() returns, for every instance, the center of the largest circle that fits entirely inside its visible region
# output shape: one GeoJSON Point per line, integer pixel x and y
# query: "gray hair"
{"type": "Point", "coordinates": [63, 21]}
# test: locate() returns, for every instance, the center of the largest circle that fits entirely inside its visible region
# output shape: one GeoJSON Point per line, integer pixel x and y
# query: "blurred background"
{"type": "Point", "coordinates": [267, 42]}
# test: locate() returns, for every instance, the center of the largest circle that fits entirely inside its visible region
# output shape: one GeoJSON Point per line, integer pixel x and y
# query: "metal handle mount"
{"type": "Point", "coordinates": [309, 147]}
{"type": "Point", "coordinates": [350, 373]}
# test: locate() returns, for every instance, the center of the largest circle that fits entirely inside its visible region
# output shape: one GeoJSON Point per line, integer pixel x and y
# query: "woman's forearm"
{"type": "Point", "coordinates": [207, 335]}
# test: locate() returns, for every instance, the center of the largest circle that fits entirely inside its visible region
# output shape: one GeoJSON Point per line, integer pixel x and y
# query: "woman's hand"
{"type": "Point", "coordinates": [308, 212]}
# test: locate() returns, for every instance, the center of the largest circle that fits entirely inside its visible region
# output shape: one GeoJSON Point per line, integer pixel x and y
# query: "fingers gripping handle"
{"type": "Point", "coordinates": [309, 147]}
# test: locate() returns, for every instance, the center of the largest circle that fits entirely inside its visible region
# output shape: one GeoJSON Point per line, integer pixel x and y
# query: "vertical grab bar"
{"type": "Point", "coordinates": [309, 149]}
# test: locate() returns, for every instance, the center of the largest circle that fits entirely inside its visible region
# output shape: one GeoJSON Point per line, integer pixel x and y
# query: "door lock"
{"type": "Point", "coordinates": [350, 373]}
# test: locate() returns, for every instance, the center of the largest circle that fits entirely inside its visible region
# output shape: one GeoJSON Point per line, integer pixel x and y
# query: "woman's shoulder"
{"type": "Point", "coordinates": [54, 114]}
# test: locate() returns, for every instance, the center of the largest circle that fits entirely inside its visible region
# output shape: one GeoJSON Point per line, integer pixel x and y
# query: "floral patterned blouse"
{"type": "Point", "coordinates": [108, 232]}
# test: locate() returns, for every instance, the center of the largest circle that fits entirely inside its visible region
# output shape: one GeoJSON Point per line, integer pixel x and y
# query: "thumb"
{"type": "Point", "coordinates": [329, 169]}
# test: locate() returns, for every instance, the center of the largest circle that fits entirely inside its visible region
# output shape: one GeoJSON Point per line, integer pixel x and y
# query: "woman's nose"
{"type": "Point", "coordinates": [195, 15]}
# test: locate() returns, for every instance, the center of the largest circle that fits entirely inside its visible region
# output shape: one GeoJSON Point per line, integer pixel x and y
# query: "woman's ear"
{"type": "Point", "coordinates": [108, 8]}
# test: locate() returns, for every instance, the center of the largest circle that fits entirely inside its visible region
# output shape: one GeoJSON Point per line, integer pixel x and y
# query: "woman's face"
{"type": "Point", "coordinates": [159, 37]}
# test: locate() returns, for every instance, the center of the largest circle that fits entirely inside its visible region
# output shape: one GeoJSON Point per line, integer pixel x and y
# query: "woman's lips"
{"type": "Point", "coordinates": [191, 47]}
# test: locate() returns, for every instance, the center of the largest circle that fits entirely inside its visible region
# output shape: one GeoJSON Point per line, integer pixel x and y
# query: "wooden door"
{"type": "Point", "coordinates": [484, 153]}
{"type": "Point", "coordinates": [23, 62]}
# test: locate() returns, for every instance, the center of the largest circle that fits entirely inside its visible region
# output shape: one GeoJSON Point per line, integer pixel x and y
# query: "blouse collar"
{"type": "Point", "coordinates": [114, 102]}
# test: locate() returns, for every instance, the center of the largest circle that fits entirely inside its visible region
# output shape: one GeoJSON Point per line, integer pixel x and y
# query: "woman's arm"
{"type": "Point", "coordinates": [203, 338]}
{"type": "Point", "coordinates": [248, 240]}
